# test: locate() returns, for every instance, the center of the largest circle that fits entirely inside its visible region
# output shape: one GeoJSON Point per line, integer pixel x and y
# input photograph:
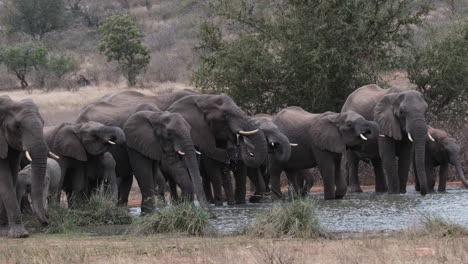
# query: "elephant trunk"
{"type": "Point", "coordinates": [253, 149]}
{"type": "Point", "coordinates": [283, 151]}
{"type": "Point", "coordinates": [418, 131]}
{"type": "Point", "coordinates": [456, 162]}
{"type": "Point", "coordinates": [37, 149]}
{"type": "Point", "coordinates": [194, 171]}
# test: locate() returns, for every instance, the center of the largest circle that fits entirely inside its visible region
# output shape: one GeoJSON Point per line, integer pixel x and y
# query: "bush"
{"type": "Point", "coordinates": [269, 54]}
{"type": "Point", "coordinates": [296, 219]}
{"type": "Point", "coordinates": [60, 65]}
{"type": "Point", "coordinates": [440, 227]}
{"type": "Point", "coordinates": [22, 59]}
{"type": "Point", "coordinates": [122, 41]}
{"type": "Point", "coordinates": [440, 71]}
{"type": "Point", "coordinates": [174, 218]}
{"type": "Point", "coordinates": [35, 18]}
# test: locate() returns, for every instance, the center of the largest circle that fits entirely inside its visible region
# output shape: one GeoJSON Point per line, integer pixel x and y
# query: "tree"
{"type": "Point", "coordinates": [440, 71]}
{"type": "Point", "coordinates": [308, 53]}
{"type": "Point", "coordinates": [60, 65]}
{"type": "Point", "coordinates": [21, 60]}
{"type": "Point", "coordinates": [35, 17]}
{"type": "Point", "coordinates": [122, 41]}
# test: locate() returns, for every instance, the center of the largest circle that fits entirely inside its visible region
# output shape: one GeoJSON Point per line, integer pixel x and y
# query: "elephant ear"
{"type": "Point", "coordinates": [190, 107]}
{"type": "Point", "coordinates": [325, 132]}
{"type": "Point", "coordinates": [140, 134]}
{"type": "Point", "coordinates": [66, 142]}
{"type": "Point", "coordinates": [5, 105]}
{"type": "Point", "coordinates": [384, 115]}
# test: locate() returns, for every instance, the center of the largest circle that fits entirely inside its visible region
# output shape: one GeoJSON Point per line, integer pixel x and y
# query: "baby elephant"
{"type": "Point", "coordinates": [51, 182]}
{"type": "Point", "coordinates": [441, 151]}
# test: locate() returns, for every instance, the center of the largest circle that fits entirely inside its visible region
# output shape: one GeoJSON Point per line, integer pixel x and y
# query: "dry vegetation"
{"type": "Point", "coordinates": [164, 249]}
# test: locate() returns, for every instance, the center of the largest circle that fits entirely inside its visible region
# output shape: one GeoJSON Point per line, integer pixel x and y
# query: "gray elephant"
{"type": "Point", "coordinates": [224, 135]}
{"type": "Point", "coordinates": [321, 139]}
{"type": "Point", "coordinates": [51, 189]}
{"type": "Point", "coordinates": [440, 153]}
{"type": "Point", "coordinates": [401, 116]}
{"type": "Point", "coordinates": [20, 130]}
{"type": "Point", "coordinates": [162, 141]}
{"type": "Point", "coordinates": [279, 151]}
{"type": "Point", "coordinates": [84, 159]}
{"type": "Point", "coordinates": [114, 110]}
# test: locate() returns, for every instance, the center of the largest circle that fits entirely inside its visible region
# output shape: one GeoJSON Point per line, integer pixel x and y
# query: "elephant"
{"type": "Point", "coordinates": [401, 115]}
{"type": "Point", "coordinates": [443, 151]}
{"type": "Point", "coordinates": [279, 151]}
{"type": "Point", "coordinates": [21, 130]}
{"type": "Point", "coordinates": [52, 181]}
{"type": "Point", "coordinates": [162, 140]}
{"type": "Point", "coordinates": [114, 110]}
{"type": "Point", "coordinates": [162, 101]}
{"type": "Point", "coordinates": [85, 161]}
{"type": "Point", "coordinates": [322, 139]}
{"type": "Point", "coordinates": [224, 134]}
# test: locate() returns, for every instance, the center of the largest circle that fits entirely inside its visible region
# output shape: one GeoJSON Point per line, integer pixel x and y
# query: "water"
{"type": "Point", "coordinates": [359, 212]}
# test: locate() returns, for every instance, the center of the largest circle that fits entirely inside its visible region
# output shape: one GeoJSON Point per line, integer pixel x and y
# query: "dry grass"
{"type": "Point", "coordinates": [164, 249]}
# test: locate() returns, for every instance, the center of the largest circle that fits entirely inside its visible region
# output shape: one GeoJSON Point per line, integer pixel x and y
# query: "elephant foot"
{"type": "Point", "coordinates": [218, 203]}
{"type": "Point", "coordinates": [441, 190]}
{"type": "Point", "coordinates": [17, 231]}
{"type": "Point", "coordinates": [4, 230]}
{"type": "Point", "coordinates": [339, 196]}
{"type": "Point", "coordinates": [255, 198]}
{"type": "Point", "coordinates": [354, 189]}
{"type": "Point", "coordinates": [231, 203]}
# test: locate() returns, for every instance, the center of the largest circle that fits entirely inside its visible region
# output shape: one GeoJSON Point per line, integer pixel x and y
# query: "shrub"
{"type": "Point", "coordinates": [60, 65]}
{"type": "Point", "coordinates": [174, 218]}
{"type": "Point", "coordinates": [269, 54]}
{"type": "Point", "coordinates": [122, 41]}
{"type": "Point", "coordinates": [35, 18]}
{"type": "Point", "coordinates": [296, 219]}
{"type": "Point", "coordinates": [22, 59]}
{"type": "Point", "coordinates": [440, 227]}
{"type": "Point", "coordinates": [440, 71]}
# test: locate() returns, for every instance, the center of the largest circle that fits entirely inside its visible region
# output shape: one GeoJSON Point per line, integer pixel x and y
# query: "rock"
{"type": "Point", "coordinates": [424, 252]}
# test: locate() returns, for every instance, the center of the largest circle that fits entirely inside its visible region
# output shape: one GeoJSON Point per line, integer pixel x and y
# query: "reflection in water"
{"type": "Point", "coordinates": [359, 212]}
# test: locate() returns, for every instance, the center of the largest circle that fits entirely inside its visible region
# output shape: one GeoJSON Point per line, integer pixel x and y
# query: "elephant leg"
{"type": "Point", "coordinates": [443, 173]}
{"type": "Point", "coordinates": [416, 180]}
{"type": "Point", "coordinates": [258, 184]}
{"type": "Point", "coordinates": [185, 186]}
{"type": "Point", "coordinates": [79, 184]}
{"type": "Point", "coordinates": [351, 171]}
{"type": "Point", "coordinates": [213, 171]}
{"type": "Point", "coordinates": [240, 175]}
{"type": "Point", "coordinates": [387, 154]}
{"type": "Point", "coordinates": [227, 184]}
{"type": "Point", "coordinates": [3, 220]}
{"type": "Point", "coordinates": [173, 190]}
{"type": "Point", "coordinates": [404, 163]}
{"type": "Point", "coordinates": [10, 204]}
{"type": "Point", "coordinates": [143, 170]}
{"type": "Point", "coordinates": [25, 205]}
{"type": "Point", "coordinates": [430, 178]}
{"type": "Point", "coordinates": [160, 182]}
{"type": "Point", "coordinates": [275, 176]}
{"type": "Point", "coordinates": [293, 181]}
{"type": "Point", "coordinates": [326, 165]}
{"type": "Point", "coordinates": [380, 184]}
{"type": "Point", "coordinates": [340, 180]}
{"type": "Point", "coordinates": [109, 165]}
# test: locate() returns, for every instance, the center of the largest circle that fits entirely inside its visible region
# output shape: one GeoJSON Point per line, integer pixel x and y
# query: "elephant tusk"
{"type": "Point", "coordinates": [180, 153]}
{"type": "Point", "coordinates": [363, 137]}
{"type": "Point", "coordinates": [251, 154]}
{"type": "Point", "coordinates": [53, 155]}
{"type": "Point", "coordinates": [294, 144]}
{"type": "Point", "coordinates": [272, 144]}
{"type": "Point", "coordinates": [198, 152]}
{"type": "Point", "coordinates": [111, 142]}
{"type": "Point", "coordinates": [409, 137]}
{"type": "Point", "coordinates": [381, 135]}
{"type": "Point", "coordinates": [430, 137]}
{"type": "Point", "coordinates": [28, 156]}
{"type": "Point", "coordinates": [248, 133]}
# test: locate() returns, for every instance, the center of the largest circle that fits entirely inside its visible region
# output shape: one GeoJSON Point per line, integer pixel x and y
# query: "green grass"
{"type": "Point", "coordinates": [174, 218]}
{"type": "Point", "coordinates": [296, 219]}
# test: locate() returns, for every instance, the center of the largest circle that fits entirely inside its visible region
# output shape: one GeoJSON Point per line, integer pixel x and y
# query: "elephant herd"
{"type": "Point", "coordinates": [196, 142]}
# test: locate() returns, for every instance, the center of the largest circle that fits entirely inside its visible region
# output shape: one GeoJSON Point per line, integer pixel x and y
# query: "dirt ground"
{"type": "Point", "coordinates": [177, 249]}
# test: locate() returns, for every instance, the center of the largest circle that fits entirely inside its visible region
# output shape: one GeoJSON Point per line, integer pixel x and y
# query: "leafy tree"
{"type": "Point", "coordinates": [440, 71]}
{"type": "Point", "coordinates": [122, 41]}
{"type": "Point", "coordinates": [35, 17]}
{"type": "Point", "coordinates": [62, 64]}
{"type": "Point", "coordinates": [21, 60]}
{"type": "Point", "coordinates": [309, 53]}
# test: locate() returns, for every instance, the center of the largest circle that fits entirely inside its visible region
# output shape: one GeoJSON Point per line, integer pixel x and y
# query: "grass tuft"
{"type": "Point", "coordinates": [296, 219]}
{"type": "Point", "coordinates": [174, 218]}
{"type": "Point", "coordinates": [441, 227]}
